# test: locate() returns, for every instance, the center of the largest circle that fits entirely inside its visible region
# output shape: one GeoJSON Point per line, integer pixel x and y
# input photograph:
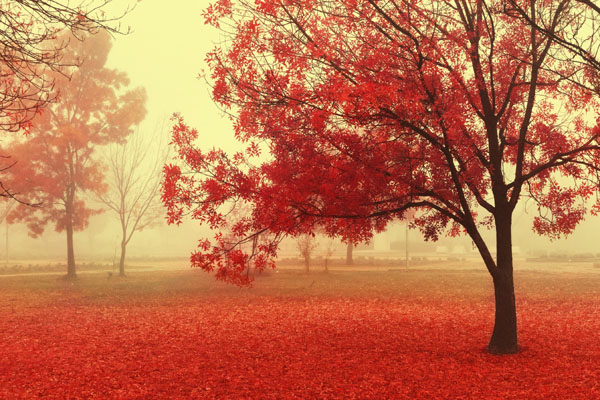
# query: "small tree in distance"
{"type": "Point", "coordinates": [134, 178]}
{"type": "Point", "coordinates": [306, 244]}
{"type": "Point", "coordinates": [349, 253]}
{"type": "Point", "coordinates": [7, 205]}
{"type": "Point", "coordinates": [328, 251]}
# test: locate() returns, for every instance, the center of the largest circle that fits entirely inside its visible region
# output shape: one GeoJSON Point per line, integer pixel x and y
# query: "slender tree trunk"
{"type": "Point", "coordinates": [307, 263]}
{"type": "Point", "coordinates": [6, 241]}
{"type": "Point", "coordinates": [122, 260]}
{"type": "Point", "coordinates": [406, 245]}
{"type": "Point", "coordinates": [349, 250]}
{"type": "Point", "coordinates": [123, 242]}
{"type": "Point", "coordinates": [504, 336]}
{"type": "Point", "coordinates": [71, 272]}
{"type": "Point", "coordinates": [70, 196]}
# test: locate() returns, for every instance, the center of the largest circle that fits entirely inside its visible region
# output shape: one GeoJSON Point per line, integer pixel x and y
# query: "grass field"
{"type": "Point", "coordinates": [346, 334]}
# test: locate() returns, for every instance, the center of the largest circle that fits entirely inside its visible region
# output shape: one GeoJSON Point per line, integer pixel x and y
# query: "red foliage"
{"type": "Point", "coordinates": [64, 346]}
{"type": "Point", "coordinates": [57, 162]}
{"type": "Point", "coordinates": [368, 109]}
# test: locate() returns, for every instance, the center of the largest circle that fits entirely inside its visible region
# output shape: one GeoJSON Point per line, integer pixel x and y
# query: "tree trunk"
{"type": "Point", "coordinates": [71, 273]}
{"type": "Point", "coordinates": [6, 241]}
{"type": "Point", "coordinates": [349, 250]}
{"type": "Point", "coordinates": [122, 260]}
{"type": "Point", "coordinates": [69, 220]}
{"type": "Point", "coordinates": [307, 263]}
{"type": "Point", "coordinates": [504, 336]}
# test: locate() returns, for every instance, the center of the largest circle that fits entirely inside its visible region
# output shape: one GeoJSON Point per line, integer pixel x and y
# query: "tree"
{"type": "Point", "coordinates": [28, 51]}
{"type": "Point", "coordinates": [5, 209]}
{"type": "Point", "coordinates": [327, 253]}
{"type": "Point", "coordinates": [134, 181]}
{"type": "Point", "coordinates": [349, 251]}
{"type": "Point", "coordinates": [306, 245]}
{"type": "Point", "coordinates": [55, 165]}
{"type": "Point", "coordinates": [368, 109]}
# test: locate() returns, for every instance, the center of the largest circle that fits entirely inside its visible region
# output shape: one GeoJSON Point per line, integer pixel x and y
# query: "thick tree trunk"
{"type": "Point", "coordinates": [71, 272]}
{"type": "Point", "coordinates": [504, 336]}
{"type": "Point", "coordinates": [122, 260]}
{"type": "Point", "coordinates": [349, 250]}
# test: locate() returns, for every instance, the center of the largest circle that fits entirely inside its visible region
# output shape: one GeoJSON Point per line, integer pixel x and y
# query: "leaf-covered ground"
{"type": "Point", "coordinates": [413, 334]}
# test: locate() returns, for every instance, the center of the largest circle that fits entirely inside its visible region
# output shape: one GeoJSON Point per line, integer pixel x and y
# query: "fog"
{"type": "Point", "coordinates": [100, 242]}
{"type": "Point", "coordinates": [164, 53]}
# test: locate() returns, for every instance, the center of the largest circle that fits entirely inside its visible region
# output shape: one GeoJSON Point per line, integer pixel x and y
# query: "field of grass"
{"type": "Point", "coordinates": [346, 334]}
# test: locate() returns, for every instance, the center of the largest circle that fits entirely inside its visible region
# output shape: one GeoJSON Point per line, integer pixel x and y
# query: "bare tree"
{"type": "Point", "coordinates": [134, 175]}
{"type": "Point", "coordinates": [328, 252]}
{"type": "Point", "coordinates": [306, 244]}
{"type": "Point", "coordinates": [349, 252]}
{"type": "Point", "coordinates": [5, 208]}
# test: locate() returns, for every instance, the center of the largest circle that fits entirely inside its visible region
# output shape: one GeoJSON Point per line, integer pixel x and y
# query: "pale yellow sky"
{"type": "Point", "coordinates": [165, 54]}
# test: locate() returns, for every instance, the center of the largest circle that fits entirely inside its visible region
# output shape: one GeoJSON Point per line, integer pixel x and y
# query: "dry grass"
{"type": "Point", "coordinates": [466, 284]}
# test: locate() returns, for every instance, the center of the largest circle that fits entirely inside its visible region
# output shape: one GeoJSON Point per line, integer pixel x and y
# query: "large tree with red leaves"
{"type": "Point", "coordinates": [369, 108]}
{"type": "Point", "coordinates": [56, 164]}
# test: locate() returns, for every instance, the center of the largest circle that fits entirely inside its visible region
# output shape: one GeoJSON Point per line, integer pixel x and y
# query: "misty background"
{"type": "Point", "coordinates": [167, 39]}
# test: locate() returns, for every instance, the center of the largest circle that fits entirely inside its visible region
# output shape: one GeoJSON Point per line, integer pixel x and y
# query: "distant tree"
{"type": "Point", "coordinates": [306, 244]}
{"type": "Point", "coordinates": [328, 251]}
{"type": "Point", "coordinates": [56, 164]}
{"type": "Point", "coordinates": [5, 208]}
{"type": "Point", "coordinates": [6, 205]}
{"type": "Point", "coordinates": [368, 108]}
{"type": "Point", "coordinates": [134, 176]}
{"type": "Point", "coordinates": [349, 251]}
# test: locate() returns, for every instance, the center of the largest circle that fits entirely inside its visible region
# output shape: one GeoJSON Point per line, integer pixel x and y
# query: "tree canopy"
{"type": "Point", "coordinates": [369, 108]}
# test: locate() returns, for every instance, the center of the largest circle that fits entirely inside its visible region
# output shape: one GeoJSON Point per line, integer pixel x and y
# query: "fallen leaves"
{"type": "Point", "coordinates": [294, 347]}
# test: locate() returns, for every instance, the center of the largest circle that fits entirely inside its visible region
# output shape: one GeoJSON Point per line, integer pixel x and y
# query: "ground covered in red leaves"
{"type": "Point", "coordinates": [415, 334]}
